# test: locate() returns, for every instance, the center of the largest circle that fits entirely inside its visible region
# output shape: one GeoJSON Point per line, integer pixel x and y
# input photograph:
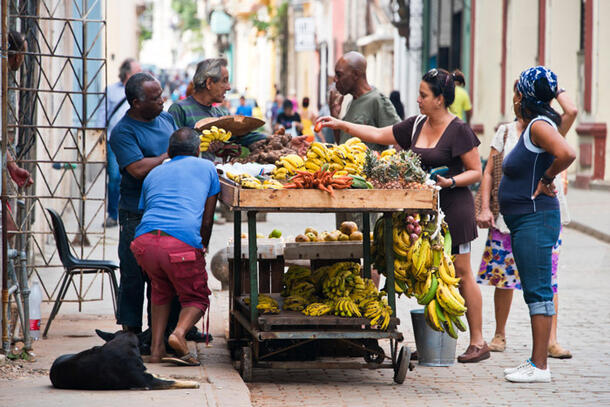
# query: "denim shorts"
{"type": "Point", "coordinates": [533, 236]}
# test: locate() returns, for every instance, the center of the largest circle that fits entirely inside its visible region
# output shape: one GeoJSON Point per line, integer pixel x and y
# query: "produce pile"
{"type": "Point", "coordinates": [338, 289]}
{"type": "Point", "coordinates": [271, 149]}
{"type": "Point", "coordinates": [395, 170]}
{"type": "Point", "coordinates": [266, 304]}
{"type": "Point", "coordinates": [248, 181]}
{"type": "Point", "coordinates": [216, 141]}
{"type": "Point", "coordinates": [348, 231]}
{"type": "Point", "coordinates": [322, 179]}
{"type": "Point", "coordinates": [423, 267]}
{"type": "Point", "coordinates": [346, 158]}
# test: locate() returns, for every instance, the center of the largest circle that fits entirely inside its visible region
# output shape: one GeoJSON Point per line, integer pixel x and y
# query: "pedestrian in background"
{"type": "Point", "coordinates": [400, 108]}
{"type": "Point", "coordinates": [243, 108]}
{"type": "Point", "coordinates": [307, 118]}
{"type": "Point", "coordinates": [529, 205]}
{"type": "Point", "coordinates": [461, 106]}
{"type": "Point", "coordinates": [498, 264]}
{"type": "Point", "coordinates": [108, 116]}
{"type": "Point", "coordinates": [441, 139]}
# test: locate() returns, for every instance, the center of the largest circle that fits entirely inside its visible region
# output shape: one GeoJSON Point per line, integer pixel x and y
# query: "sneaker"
{"type": "Point", "coordinates": [511, 370]}
{"type": "Point", "coordinates": [530, 374]}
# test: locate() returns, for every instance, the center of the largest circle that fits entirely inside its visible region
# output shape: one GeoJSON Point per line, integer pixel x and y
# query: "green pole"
{"type": "Point", "coordinates": [388, 245]}
{"type": "Point", "coordinates": [237, 253]}
{"type": "Point", "coordinates": [366, 244]}
{"type": "Point", "coordinates": [252, 260]}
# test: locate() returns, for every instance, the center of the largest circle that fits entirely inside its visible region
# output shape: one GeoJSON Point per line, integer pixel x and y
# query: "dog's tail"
{"type": "Point", "coordinates": [164, 383]}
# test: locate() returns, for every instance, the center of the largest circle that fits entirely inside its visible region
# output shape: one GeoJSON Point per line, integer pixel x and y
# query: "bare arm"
{"type": "Point", "coordinates": [21, 176]}
{"type": "Point", "coordinates": [468, 116]}
{"type": "Point", "coordinates": [141, 168]}
{"type": "Point", "coordinates": [370, 134]}
{"type": "Point", "coordinates": [208, 220]}
{"type": "Point", "coordinates": [570, 111]}
{"type": "Point", "coordinates": [549, 139]}
{"type": "Point", "coordinates": [472, 171]}
{"type": "Point", "coordinates": [486, 218]}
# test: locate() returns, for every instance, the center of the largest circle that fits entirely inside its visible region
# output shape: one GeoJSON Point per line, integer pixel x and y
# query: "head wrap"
{"type": "Point", "coordinates": [528, 78]}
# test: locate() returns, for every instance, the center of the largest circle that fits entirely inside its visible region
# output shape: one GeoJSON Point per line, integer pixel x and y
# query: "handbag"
{"type": "Point", "coordinates": [496, 177]}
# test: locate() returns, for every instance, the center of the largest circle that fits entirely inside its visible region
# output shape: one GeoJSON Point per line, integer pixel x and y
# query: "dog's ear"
{"type": "Point", "coordinates": [106, 336]}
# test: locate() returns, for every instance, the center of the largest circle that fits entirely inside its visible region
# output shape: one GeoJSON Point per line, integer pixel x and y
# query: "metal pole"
{"type": "Point", "coordinates": [5, 342]}
{"type": "Point", "coordinates": [236, 254]}
{"type": "Point", "coordinates": [366, 242]}
{"type": "Point", "coordinates": [388, 245]}
{"type": "Point", "coordinates": [252, 260]}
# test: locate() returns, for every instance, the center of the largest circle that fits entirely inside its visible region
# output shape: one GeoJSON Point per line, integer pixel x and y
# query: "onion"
{"type": "Point", "coordinates": [410, 228]}
{"type": "Point", "coordinates": [410, 219]}
{"type": "Point", "coordinates": [417, 230]}
{"type": "Point", "coordinates": [414, 237]}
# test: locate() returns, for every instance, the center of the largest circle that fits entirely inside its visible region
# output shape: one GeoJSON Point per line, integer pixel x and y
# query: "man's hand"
{"type": "Point", "coordinates": [546, 189]}
{"type": "Point", "coordinates": [334, 103]}
{"type": "Point", "coordinates": [20, 175]}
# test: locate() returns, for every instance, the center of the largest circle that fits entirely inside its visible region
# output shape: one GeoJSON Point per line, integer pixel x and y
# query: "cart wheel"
{"type": "Point", "coordinates": [402, 364]}
{"type": "Point", "coordinates": [245, 367]}
{"type": "Point", "coordinates": [370, 357]}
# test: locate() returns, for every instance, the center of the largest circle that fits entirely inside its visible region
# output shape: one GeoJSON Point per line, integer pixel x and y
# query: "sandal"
{"type": "Point", "coordinates": [187, 360]}
{"type": "Point", "coordinates": [498, 343]}
{"type": "Point", "coordinates": [556, 351]}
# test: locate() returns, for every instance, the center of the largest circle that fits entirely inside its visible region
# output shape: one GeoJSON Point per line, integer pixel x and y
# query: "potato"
{"type": "Point", "coordinates": [343, 237]}
{"type": "Point", "coordinates": [348, 227]}
{"type": "Point", "coordinates": [311, 230]}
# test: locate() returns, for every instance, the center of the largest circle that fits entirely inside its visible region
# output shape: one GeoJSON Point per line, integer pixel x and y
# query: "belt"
{"type": "Point", "coordinates": [158, 232]}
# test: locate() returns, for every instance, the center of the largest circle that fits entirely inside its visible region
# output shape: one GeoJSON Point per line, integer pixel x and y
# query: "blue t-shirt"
{"type": "Point", "coordinates": [522, 169]}
{"type": "Point", "coordinates": [131, 140]}
{"type": "Point", "coordinates": [173, 198]}
{"type": "Point", "coordinates": [244, 110]}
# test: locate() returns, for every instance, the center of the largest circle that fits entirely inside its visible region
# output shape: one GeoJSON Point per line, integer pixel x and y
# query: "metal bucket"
{"type": "Point", "coordinates": [433, 348]}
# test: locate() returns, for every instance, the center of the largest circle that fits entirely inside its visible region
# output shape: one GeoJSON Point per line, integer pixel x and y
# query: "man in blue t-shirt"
{"type": "Point", "coordinates": [178, 199]}
{"type": "Point", "coordinates": [243, 108]}
{"type": "Point", "coordinates": [139, 141]}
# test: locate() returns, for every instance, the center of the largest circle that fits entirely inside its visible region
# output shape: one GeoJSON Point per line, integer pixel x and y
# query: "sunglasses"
{"type": "Point", "coordinates": [434, 72]}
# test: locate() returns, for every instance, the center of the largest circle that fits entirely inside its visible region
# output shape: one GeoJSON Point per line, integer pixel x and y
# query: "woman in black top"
{"type": "Point", "coordinates": [441, 138]}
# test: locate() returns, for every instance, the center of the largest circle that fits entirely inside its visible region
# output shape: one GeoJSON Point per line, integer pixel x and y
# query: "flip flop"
{"type": "Point", "coordinates": [187, 360]}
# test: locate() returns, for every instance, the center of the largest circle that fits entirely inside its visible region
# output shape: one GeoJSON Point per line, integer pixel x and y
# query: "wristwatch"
{"type": "Point", "coordinates": [545, 179]}
{"type": "Point", "coordinates": [452, 183]}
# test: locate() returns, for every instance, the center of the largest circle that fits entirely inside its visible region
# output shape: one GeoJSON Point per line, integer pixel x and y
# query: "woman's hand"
{"type": "Point", "coordinates": [443, 182]}
{"type": "Point", "coordinates": [330, 122]}
{"type": "Point", "coordinates": [485, 219]}
{"type": "Point", "coordinates": [546, 189]}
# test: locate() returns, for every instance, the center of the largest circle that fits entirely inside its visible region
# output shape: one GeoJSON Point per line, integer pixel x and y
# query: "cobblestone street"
{"type": "Point", "coordinates": [583, 380]}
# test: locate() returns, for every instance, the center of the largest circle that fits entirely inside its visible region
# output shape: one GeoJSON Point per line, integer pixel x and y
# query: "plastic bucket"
{"type": "Point", "coordinates": [433, 348]}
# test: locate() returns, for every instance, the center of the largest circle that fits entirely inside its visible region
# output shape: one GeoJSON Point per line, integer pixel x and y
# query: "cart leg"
{"type": "Point", "coordinates": [245, 367]}
{"type": "Point", "coordinates": [366, 242]}
{"type": "Point", "coordinates": [388, 243]}
{"type": "Point", "coordinates": [252, 259]}
{"type": "Point", "coordinates": [235, 287]}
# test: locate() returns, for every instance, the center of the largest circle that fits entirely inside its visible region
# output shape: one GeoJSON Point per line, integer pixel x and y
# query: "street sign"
{"type": "Point", "coordinates": [304, 34]}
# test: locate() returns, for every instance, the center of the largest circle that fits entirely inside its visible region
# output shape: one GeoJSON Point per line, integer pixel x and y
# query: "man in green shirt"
{"type": "Point", "coordinates": [369, 106]}
{"type": "Point", "coordinates": [210, 83]}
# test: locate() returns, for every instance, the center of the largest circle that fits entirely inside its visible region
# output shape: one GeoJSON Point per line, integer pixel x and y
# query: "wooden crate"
{"type": "Point", "coordinates": [313, 200]}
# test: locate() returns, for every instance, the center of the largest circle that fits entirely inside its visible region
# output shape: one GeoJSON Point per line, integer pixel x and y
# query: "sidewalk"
{"type": "Point", "coordinates": [590, 212]}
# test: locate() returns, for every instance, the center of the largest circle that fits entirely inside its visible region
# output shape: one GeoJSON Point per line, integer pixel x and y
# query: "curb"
{"type": "Point", "coordinates": [599, 235]}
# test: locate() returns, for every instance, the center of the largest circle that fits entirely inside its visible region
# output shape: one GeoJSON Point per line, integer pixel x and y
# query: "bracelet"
{"type": "Point", "coordinates": [545, 179]}
{"type": "Point", "coordinates": [452, 183]}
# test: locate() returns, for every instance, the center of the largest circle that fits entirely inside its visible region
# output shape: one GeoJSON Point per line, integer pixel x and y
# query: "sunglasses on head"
{"type": "Point", "coordinates": [434, 72]}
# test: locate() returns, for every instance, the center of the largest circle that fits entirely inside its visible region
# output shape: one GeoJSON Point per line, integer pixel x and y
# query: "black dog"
{"type": "Point", "coordinates": [144, 339]}
{"type": "Point", "coordinates": [117, 365]}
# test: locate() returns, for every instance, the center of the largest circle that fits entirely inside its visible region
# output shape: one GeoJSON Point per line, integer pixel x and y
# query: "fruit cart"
{"type": "Point", "coordinates": [258, 340]}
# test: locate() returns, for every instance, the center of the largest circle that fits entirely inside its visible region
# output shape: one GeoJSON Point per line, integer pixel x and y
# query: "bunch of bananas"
{"type": "Point", "coordinates": [317, 309]}
{"type": "Point", "coordinates": [211, 135]}
{"type": "Point", "coordinates": [377, 309]}
{"type": "Point", "coordinates": [340, 279]}
{"type": "Point", "coordinates": [288, 165]}
{"type": "Point", "coordinates": [346, 307]}
{"type": "Point", "coordinates": [294, 276]}
{"type": "Point", "coordinates": [248, 181]}
{"type": "Point", "coordinates": [385, 154]}
{"type": "Point", "coordinates": [295, 303]}
{"type": "Point", "coordinates": [266, 304]}
{"type": "Point", "coordinates": [424, 269]}
{"type": "Point", "coordinates": [346, 158]}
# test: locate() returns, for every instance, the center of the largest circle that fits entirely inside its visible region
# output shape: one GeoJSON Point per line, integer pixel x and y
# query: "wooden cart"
{"type": "Point", "coordinates": [249, 331]}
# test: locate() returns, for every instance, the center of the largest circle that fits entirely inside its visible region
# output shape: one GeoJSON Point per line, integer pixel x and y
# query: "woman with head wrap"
{"type": "Point", "coordinates": [530, 208]}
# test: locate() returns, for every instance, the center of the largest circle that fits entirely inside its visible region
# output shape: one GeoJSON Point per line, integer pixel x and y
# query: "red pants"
{"type": "Point", "coordinates": [174, 268]}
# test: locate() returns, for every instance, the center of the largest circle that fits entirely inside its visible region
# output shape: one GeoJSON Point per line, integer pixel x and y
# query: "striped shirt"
{"type": "Point", "coordinates": [187, 112]}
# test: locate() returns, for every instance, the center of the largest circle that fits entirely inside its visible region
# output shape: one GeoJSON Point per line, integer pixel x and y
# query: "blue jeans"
{"type": "Point", "coordinates": [532, 238]}
{"type": "Point", "coordinates": [114, 182]}
{"type": "Point", "coordinates": [131, 286]}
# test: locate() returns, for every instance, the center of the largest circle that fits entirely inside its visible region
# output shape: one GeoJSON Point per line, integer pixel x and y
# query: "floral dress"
{"type": "Point", "coordinates": [498, 266]}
